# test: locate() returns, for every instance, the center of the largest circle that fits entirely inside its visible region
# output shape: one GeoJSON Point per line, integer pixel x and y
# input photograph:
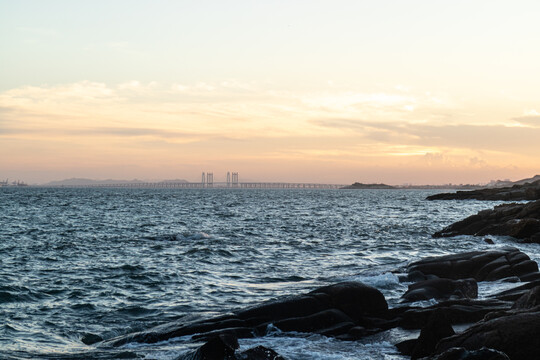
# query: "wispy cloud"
{"type": "Point", "coordinates": [528, 120]}
{"type": "Point", "coordinates": [247, 121]}
{"type": "Point", "coordinates": [489, 137]}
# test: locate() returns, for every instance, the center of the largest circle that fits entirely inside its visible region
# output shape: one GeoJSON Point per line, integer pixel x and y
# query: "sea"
{"type": "Point", "coordinates": [82, 264]}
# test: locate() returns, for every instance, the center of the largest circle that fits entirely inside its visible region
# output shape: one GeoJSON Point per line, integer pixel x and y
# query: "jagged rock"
{"type": "Point", "coordinates": [529, 300]}
{"type": "Point", "coordinates": [515, 293]}
{"type": "Point", "coordinates": [352, 310]}
{"type": "Point", "coordinates": [521, 221]}
{"type": "Point", "coordinates": [223, 347]}
{"type": "Point", "coordinates": [437, 328]}
{"type": "Point", "coordinates": [259, 353]}
{"type": "Point", "coordinates": [463, 354]}
{"type": "Point", "coordinates": [333, 309]}
{"type": "Point", "coordinates": [217, 348]}
{"type": "Point", "coordinates": [464, 311]}
{"type": "Point", "coordinates": [515, 334]}
{"type": "Point", "coordinates": [527, 191]}
{"type": "Point", "coordinates": [315, 323]}
{"type": "Point", "coordinates": [479, 265]}
{"type": "Point", "coordinates": [441, 289]}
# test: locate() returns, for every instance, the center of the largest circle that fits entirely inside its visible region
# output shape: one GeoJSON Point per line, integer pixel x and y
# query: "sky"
{"type": "Point", "coordinates": [418, 92]}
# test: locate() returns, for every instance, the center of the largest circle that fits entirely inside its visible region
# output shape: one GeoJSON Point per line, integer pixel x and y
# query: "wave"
{"type": "Point", "coordinates": [199, 235]}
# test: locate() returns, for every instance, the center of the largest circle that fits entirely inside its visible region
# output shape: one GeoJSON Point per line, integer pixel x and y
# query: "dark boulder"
{"type": "Point", "coordinates": [438, 327]}
{"type": "Point", "coordinates": [527, 191]}
{"type": "Point", "coordinates": [479, 265]}
{"type": "Point", "coordinates": [514, 333]}
{"type": "Point", "coordinates": [464, 311]}
{"type": "Point", "coordinates": [317, 322]}
{"type": "Point", "coordinates": [529, 300]}
{"type": "Point", "coordinates": [223, 347]}
{"type": "Point", "coordinates": [463, 354]}
{"type": "Point", "coordinates": [331, 310]}
{"type": "Point", "coordinates": [353, 298]}
{"type": "Point", "coordinates": [441, 289]}
{"type": "Point", "coordinates": [521, 221]}
{"type": "Point", "coordinates": [217, 348]}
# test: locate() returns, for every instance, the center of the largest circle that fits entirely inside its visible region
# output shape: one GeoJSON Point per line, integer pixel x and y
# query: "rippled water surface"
{"type": "Point", "coordinates": [83, 264]}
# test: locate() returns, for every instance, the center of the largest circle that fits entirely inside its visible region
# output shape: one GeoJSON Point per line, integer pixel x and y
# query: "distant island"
{"type": "Point", "coordinates": [358, 185]}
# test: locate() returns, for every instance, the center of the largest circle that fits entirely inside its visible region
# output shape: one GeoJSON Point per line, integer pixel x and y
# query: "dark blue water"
{"type": "Point", "coordinates": [79, 264]}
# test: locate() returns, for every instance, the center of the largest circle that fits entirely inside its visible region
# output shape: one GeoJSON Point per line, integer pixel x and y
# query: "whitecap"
{"type": "Point", "coordinates": [303, 347]}
{"type": "Point", "coordinates": [380, 281]}
{"type": "Point", "coordinates": [200, 235]}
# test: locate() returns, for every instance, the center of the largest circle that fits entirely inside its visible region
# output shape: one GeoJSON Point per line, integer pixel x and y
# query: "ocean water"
{"type": "Point", "coordinates": [77, 264]}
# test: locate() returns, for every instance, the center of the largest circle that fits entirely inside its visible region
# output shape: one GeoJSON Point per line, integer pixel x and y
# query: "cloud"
{"type": "Point", "coordinates": [528, 120]}
{"type": "Point", "coordinates": [435, 158]}
{"type": "Point", "coordinates": [135, 132]}
{"type": "Point", "coordinates": [231, 116]}
{"type": "Point", "coordinates": [490, 137]}
{"type": "Point", "coordinates": [477, 162]}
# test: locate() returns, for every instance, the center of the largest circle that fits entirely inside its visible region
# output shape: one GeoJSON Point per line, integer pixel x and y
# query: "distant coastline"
{"type": "Point", "coordinates": [358, 185]}
{"type": "Point", "coordinates": [182, 183]}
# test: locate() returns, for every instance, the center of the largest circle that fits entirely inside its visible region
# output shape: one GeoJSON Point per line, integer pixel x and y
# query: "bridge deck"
{"type": "Point", "coordinates": [189, 185]}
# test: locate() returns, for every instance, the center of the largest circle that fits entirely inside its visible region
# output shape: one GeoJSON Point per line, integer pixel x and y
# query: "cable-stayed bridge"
{"type": "Point", "coordinates": [207, 182]}
{"type": "Point", "coordinates": [213, 185]}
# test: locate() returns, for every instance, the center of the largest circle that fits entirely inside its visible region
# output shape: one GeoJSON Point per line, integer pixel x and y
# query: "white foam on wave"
{"type": "Point", "coordinates": [314, 347]}
{"type": "Point", "coordinates": [487, 288]}
{"type": "Point", "coordinates": [164, 350]}
{"type": "Point", "coordinates": [380, 281]}
{"type": "Point", "coordinates": [200, 235]}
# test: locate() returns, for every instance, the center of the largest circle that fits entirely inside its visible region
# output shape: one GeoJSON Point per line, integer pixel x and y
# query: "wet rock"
{"type": "Point", "coordinates": [515, 334]}
{"type": "Point", "coordinates": [529, 300]}
{"type": "Point", "coordinates": [331, 309]}
{"type": "Point", "coordinates": [465, 311]}
{"type": "Point", "coordinates": [527, 191]}
{"type": "Point", "coordinates": [316, 322]}
{"type": "Point", "coordinates": [353, 298]}
{"type": "Point", "coordinates": [223, 347]}
{"type": "Point", "coordinates": [441, 289]}
{"type": "Point", "coordinates": [217, 348]}
{"type": "Point", "coordinates": [259, 353]}
{"type": "Point", "coordinates": [437, 328]}
{"type": "Point", "coordinates": [479, 265]}
{"type": "Point", "coordinates": [515, 293]}
{"type": "Point", "coordinates": [463, 354]}
{"type": "Point", "coordinates": [521, 221]}
{"type": "Point", "coordinates": [406, 347]}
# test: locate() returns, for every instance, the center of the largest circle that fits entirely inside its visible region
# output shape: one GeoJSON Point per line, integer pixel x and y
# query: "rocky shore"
{"type": "Point", "coordinates": [459, 326]}
{"type": "Point", "coordinates": [521, 221]}
{"type": "Point", "coordinates": [501, 326]}
{"type": "Point", "coordinates": [527, 191]}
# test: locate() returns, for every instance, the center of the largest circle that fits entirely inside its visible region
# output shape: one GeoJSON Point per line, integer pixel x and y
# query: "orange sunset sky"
{"type": "Point", "coordinates": [303, 91]}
